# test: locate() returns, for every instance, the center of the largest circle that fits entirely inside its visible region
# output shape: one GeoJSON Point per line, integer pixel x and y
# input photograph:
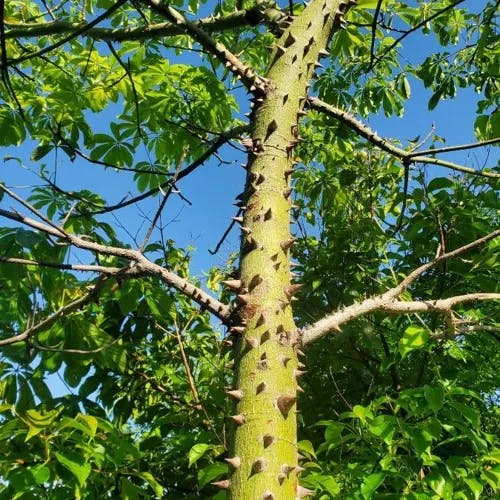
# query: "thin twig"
{"type": "Point", "coordinates": [415, 28]}
{"type": "Point", "coordinates": [224, 236]}
{"type": "Point", "coordinates": [458, 147]}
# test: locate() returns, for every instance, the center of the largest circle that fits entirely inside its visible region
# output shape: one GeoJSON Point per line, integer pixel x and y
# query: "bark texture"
{"type": "Point", "coordinates": [264, 457]}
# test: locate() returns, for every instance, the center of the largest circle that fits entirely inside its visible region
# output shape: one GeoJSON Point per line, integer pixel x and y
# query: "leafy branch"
{"type": "Point", "coordinates": [141, 265]}
{"type": "Point", "coordinates": [249, 78]}
{"type": "Point", "coordinates": [389, 302]}
{"type": "Point", "coordinates": [406, 157]}
{"type": "Point", "coordinates": [50, 320]}
{"type": "Point", "coordinates": [214, 147]}
{"type": "Point", "coordinates": [77, 32]}
{"type": "Point", "coordinates": [244, 17]}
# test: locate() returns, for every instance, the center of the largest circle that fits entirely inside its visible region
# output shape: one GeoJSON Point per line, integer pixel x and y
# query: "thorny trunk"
{"type": "Point", "coordinates": [264, 458]}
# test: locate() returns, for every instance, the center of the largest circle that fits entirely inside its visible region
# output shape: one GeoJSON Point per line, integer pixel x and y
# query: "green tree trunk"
{"type": "Point", "coordinates": [265, 459]}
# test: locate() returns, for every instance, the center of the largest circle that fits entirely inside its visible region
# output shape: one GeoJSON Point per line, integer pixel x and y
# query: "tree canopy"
{"type": "Point", "coordinates": [361, 266]}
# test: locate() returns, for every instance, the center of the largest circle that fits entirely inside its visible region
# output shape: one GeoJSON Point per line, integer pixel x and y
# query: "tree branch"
{"type": "Point", "coordinates": [459, 147]}
{"type": "Point", "coordinates": [142, 266]}
{"type": "Point", "coordinates": [221, 140]}
{"type": "Point", "coordinates": [388, 302]}
{"type": "Point", "coordinates": [245, 17]}
{"type": "Point", "coordinates": [252, 81]}
{"type": "Point", "coordinates": [78, 31]}
{"type": "Point", "coordinates": [406, 157]}
{"type": "Point", "coordinates": [373, 63]}
{"type": "Point", "coordinates": [54, 317]}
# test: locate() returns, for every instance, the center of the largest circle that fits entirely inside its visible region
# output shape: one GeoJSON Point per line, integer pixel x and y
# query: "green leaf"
{"type": "Point", "coordinates": [41, 473]}
{"type": "Point", "coordinates": [155, 485]}
{"type": "Point", "coordinates": [437, 482]}
{"type": "Point", "coordinates": [475, 486]}
{"type": "Point", "coordinates": [211, 473]}
{"type": "Point", "coordinates": [415, 337]}
{"type": "Point", "coordinates": [384, 427]}
{"type": "Point", "coordinates": [306, 447]}
{"type": "Point", "coordinates": [369, 4]}
{"type": "Point", "coordinates": [197, 451]}
{"type": "Point", "coordinates": [493, 456]}
{"type": "Point", "coordinates": [129, 491]}
{"type": "Point", "coordinates": [37, 421]}
{"type": "Point", "coordinates": [76, 465]}
{"type": "Point", "coordinates": [405, 87]}
{"type": "Point", "coordinates": [41, 151]}
{"type": "Point", "coordinates": [439, 183]}
{"type": "Point", "coordinates": [434, 396]}
{"type": "Point", "coordinates": [371, 483]}
{"type": "Point", "coordinates": [362, 412]}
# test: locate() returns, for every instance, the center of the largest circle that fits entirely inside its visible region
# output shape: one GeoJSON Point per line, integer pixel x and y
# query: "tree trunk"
{"type": "Point", "coordinates": [264, 449]}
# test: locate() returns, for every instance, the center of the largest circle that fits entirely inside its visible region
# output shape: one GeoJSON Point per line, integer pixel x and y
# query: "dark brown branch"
{"type": "Point", "coordinates": [157, 215]}
{"type": "Point", "coordinates": [221, 140]}
{"type": "Point", "coordinates": [224, 236]}
{"type": "Point", "coordinates": [374, 31]}
{"type": "Point", "coordinates": [126, 68]}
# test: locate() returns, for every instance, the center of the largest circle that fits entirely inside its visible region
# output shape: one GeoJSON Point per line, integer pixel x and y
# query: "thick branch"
{"type": "Point", "coordinates": [245, 17]}
{"type": "Point", "coordinates": [142, 264]}
{"type": "Point", "coordinates": [388, 302]}
{"type": "Point", "coordinates": [334, 321]}
{"type": "Point", "coordinates": [407, 157]}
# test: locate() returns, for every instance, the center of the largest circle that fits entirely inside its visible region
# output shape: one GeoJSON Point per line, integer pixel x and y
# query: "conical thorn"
{"type": "Point", "coordinates": [234, 462]}
{"type": "Point", "coordinates": [251, 343]}
{"type": "Point", "coordinates": [238, 419]}
{"type": "Point", "coordinates": [261, 388]}
{"type": "Point", "coordinates": [232, 284]}
{"type": "Point", "coordinates": [292, 289]}
{"type": "Point", "coordinates": [236, 330]}
{"type": "Point", "coordinates": [285, 403]}
{"type": "Point", "coordinates": [235, 393]}
{"type": "Point", "coordinates": [285, 360]}
{"type": "Point", "coordinates": [259, 465]}
{"type": "Point", "coordinates": [223, 485]}
{"type": "Point", "coordinates": [286, 244]}
{"type": "Point", "coordinates": [267, 440]}
{"type": "Point", "coordinates": [303, 492]}
{"type": "Point", "coordinates": [243, 298]}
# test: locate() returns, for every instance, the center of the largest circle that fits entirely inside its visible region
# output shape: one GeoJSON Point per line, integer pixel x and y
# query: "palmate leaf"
{"type": "Point", "coordinates": [127, 395]}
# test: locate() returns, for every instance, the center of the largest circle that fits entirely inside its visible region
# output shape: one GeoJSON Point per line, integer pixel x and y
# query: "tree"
{"type": "Point", "coordinates": [396, 273]}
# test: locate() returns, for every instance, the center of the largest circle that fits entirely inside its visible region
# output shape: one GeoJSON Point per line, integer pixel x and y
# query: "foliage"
{"type": "Point", "coordinates": [394, 405]}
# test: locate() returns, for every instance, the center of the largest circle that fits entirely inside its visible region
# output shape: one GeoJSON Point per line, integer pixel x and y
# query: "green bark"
{"type": "Point", "coordinates": [265, 458]}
